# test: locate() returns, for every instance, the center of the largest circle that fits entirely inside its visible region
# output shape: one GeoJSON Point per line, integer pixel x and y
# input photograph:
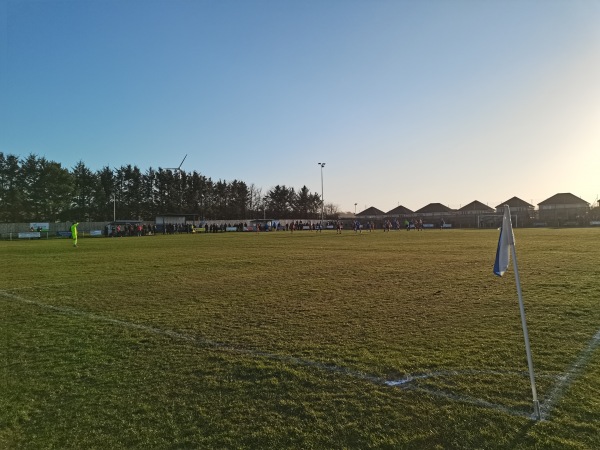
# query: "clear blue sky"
{"type": "Point", "coordinates": [407, 102]}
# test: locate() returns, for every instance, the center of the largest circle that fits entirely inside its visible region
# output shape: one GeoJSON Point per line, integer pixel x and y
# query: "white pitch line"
{"type": "Point", "coordinates": [565, 380]}
{"type": "Point", "coordinates": [453, 373]}
{"type": "Point", "coordinates": [404, 384]}
{"type": "Point", "coordinates": [43, 286]}
{"type": "Point", "coordinates": [475, 402]}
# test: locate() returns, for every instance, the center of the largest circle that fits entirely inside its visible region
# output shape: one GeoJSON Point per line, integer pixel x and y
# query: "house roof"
{"type": "Point", "coordinates": [564, 199]}
{"type": "Point", "coordinates": [515, 202]}
{"type": "Point", "coordinates": [371, 211]}
{"type": "Point", "coordinates": [476, 206]}
{"type": "Point", "coordinates": [433, 208]}
{"type": "Point", "coordinates": [400, 210]}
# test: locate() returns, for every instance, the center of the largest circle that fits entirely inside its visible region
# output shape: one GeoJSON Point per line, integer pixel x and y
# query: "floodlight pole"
{"type": "Point", "coordinates": [322, 198]}
{"type": "Point", "coordinates": [355, 208]}
{"type": "Point", "coordinates": [114, 199]}
{"type": "Point", "coordinates": [178, 170]}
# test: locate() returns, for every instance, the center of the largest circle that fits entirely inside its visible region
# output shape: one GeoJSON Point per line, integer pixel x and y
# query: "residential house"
{"type": "Point", "coordinates": [520, 210]}
{"type": "Point", "coordinates": [476, 215]}
{"type": "Point", "coordinates": [433, 213]}
{"type": "Point", "coordinates": [563, 209]}
{"type": "Point", "coordinates": [399, 211]}
{"type": "Point", "coordinates": [371, 213]}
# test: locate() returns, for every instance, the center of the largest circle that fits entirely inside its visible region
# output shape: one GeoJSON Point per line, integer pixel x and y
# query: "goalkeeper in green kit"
{"type": "Point", "coordinates": [74, 233]}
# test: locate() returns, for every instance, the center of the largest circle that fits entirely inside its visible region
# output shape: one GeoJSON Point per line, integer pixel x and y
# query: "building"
{"type": "Point", "coordinates": [433, 213]}
{"type": "Point", "coordinates": [176, 220]}
{"type": "Point", "coordinates": [399, 211]}
{"type": "Point", "coordinates": [476, 215]}
{"type": "Point", "coordinates": [563, 210]}
{"type": "Point", "coordinates": [520, 210]}
{"type": "Point", "coordinates": [434, 210]}
{"type": "Point", "coordinates": [371, 213]}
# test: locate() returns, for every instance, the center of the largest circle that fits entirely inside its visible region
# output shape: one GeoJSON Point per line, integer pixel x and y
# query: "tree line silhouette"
{"type": "Point", "coordinates": [38, 190]}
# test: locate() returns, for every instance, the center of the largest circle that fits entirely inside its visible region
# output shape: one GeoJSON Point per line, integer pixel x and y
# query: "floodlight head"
{"type": "Point", "coordinates": [179, 168]}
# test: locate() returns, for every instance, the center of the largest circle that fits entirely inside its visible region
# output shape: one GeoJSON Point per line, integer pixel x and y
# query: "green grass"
{"type": "Point", "coordinates": [281, 340]}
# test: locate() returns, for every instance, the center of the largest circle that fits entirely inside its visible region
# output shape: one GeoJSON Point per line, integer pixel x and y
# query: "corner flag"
{"type": "Point", "coordinates": [505, 240]}
{"type": "Point", "coordinates": [506, 246]}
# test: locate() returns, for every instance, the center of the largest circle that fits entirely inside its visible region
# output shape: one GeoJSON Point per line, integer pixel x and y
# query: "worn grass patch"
{"type": "Point", "coordinates": [281, 340]}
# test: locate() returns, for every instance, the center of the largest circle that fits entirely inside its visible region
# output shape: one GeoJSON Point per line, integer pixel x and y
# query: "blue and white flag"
{"type": "Point", "coordinates": [505, 240]}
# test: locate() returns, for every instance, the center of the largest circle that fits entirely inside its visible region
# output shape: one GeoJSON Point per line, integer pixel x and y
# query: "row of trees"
{"type": "Point", "coordinates": [35, 189]}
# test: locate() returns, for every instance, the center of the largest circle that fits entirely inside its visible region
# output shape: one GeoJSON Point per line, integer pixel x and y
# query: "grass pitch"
{"type": "Point", "coordinates": [299, 340]}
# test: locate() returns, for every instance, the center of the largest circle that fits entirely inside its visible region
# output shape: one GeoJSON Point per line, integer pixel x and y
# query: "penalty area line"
{"type": "Point", "coordinates": [407, 383]}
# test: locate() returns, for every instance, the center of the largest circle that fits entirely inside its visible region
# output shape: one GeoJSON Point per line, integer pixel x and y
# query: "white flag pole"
{"type": "Point", "coordinates": [536, 403]}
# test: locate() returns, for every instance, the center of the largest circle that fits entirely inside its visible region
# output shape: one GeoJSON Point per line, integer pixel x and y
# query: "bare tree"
{"type": "Point", "coordinates": [331, 210]}
{"type": "Point", "coordinates": [255, 201]}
